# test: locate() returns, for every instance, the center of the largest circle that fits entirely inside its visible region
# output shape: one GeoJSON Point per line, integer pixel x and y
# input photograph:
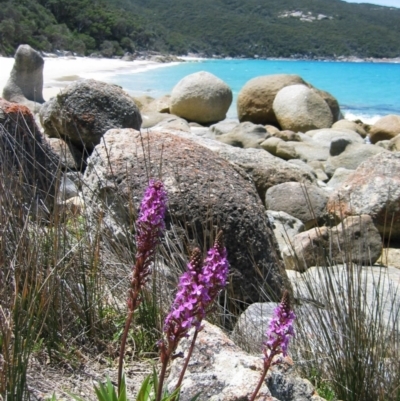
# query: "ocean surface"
{"type": "Point", "coordinates": [364, 90]}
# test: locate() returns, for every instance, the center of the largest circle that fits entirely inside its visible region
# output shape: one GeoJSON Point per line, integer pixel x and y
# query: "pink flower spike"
{"type": "Point", "coordinates": [279, 331]}
{"type": "Point", "coordinates": [280, 328]}
{"type": "Point", "coordinates": [186, 305]}
{"type": "Point", "coordinates": [150, 225]}
{"type": "Point", "coordinates": [215, 270]}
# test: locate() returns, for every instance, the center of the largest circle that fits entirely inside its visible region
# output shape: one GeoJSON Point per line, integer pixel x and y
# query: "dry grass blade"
{"type": "Point", "coordinates": [348, 329]}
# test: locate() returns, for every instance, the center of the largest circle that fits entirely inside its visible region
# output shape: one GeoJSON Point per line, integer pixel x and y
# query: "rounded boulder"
{"type": "Point", "coordinates": [85, 110]}
{"type": "Point", "coordinates": [254, 102]}
{"type": "Point", "coordinates": [25, 84]}
{"type": "Point", "coordinates": [204, 192]}
{"type": "Point", "coordinates": [304, 202]}
{"type": "Point", "coordinates": [373, 189]}
{"type": "Point", "coordinates": [201, 97]}
{"type": "Point", "coordinates": [385, 128]}
{"type": "Point", "coordinates": [301, 109]}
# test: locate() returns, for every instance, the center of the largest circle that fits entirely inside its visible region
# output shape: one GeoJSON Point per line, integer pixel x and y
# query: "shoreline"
{"type": "Point", "coordinates": [340, 59]}
{"type": "Point", "coordinates": [58, 72]}
{"type": "Point", "coordinates": [61, 71]}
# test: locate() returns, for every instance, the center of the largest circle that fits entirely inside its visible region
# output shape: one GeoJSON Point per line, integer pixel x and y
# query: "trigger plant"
{"type": "Point", "coordinates": [278, 335]}
{"type": "Point", "coordinates": [150, 226]}
{"type": "Point", "coordinates": [197, 289]}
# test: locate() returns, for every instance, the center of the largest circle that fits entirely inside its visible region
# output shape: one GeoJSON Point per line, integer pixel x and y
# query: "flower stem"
{"type": "Point", "coordinates": [187, 360]}
{"type": "Point", "coordinates": [267, 364]}
{"type": "Point", "coordinates": [161, 378]}
{"type": "Point", "coordinates": [149, 229]}
{"type": "Point", "coordinates": [122, 348]}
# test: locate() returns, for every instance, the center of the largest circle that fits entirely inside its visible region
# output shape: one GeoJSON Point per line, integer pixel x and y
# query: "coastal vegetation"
{"type": "Point", "coordinates": [286, 28]}
{"type": "Point", "coordinates": [89, 274]}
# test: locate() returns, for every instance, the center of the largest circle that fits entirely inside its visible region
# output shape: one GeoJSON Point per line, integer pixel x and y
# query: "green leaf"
{"type": "Point", "coordinates": [145, 389]}
{"type": "Point", "coordinates": [155, 380]}
{"type": "Point", "coordinates": [107, 392]}
{"type": "Point", "coordinates": [123, 395]}
{"type": "Point", "coordinates": [75, 397]}
{"type": "Point", "coordinates": [173, 396]}
{"type": "Point", "coordinates": [195, 397]}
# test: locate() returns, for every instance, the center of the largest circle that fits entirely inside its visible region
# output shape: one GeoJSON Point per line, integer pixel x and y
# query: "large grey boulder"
{"type": "Point", "coordinates": [338, 304]}
{"type": "Point", "coordinates": [254, 102]}
{"type": "Point", "coordinates": [299, 108]}
{"type": "Point", "coordinates": [262, 168]}
{"type": "Point", "coordinates": [221, 371]}
{"type": "Point", "coordinates": [26, 157]}
{"type": "Point", "coordinates": [245, 135]}
{"type": "Point", "coordinates": [350, 125]}
{"type": "Point", "coordinates": [332, 103]}
{"type": "Point", "coordinates": [285, 227]}
{"type": "Point", "coordinates": [349, 156]}
{"type": "Point", "coordinates": [373, 290]}
{"type": "Point", "coordinates": [385, 128]}
{"type": "Point", "coordinates": [373, 189]}
{"type": "Point", "coordinates": [201, 97]}
{"type": "Point", "coordinates": [160, 105]}
{"type": "Point", "coordinates": [204, 191]}
{"type": "Point", "coordinates": [251, 326]}
{"type": "Point", "coordinates": [327, 135]}
{"type": "Point", "coordinates": [355, 240]}
{"type": "Point", "coordinates": [223, 127]}
{"type": "Point", "coordinates": [394, 144]}
{"type": "Point", "coordinates": [307, 151]}
{"type": "Point", "coordinates": [25, 84]}
{"type": "Point", "coordinates": [85, 110]}
{"type": "Point", "coordinates": [152, 118]}
{"type": "Point", "coordinates": [305, 202]}
{"type": "Point", "coordinates": [340, 175]}
{"type": "Point", "coordinates": [71, 158]}
{"type": "Point", "coordinates": [307, 249]}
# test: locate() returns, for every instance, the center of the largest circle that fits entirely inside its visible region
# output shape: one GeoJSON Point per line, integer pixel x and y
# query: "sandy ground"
{"type": "Point", "coordinates": [61, 71]}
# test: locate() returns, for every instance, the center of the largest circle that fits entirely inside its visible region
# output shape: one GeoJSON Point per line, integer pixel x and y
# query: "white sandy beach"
{"type": "Point", "coordinates": [61, 71]}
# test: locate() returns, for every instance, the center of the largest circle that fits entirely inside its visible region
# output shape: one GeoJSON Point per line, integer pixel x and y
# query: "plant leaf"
{"type": "Point", "coordinates": [145, 389]}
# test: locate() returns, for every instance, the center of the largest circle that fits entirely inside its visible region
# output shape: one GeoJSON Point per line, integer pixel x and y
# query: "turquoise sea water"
{"type": "Point", "coordinates": [364, 90]}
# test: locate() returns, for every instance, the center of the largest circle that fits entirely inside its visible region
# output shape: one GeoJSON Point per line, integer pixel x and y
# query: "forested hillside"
{"type": "Point", "coordinates": [263, 28]}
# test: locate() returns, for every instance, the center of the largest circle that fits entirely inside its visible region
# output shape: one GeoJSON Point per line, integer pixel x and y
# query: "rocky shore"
{"type": "Point", "coordinates": [63, 68]}
{"type": "Point", "coordinates": [293, 185]}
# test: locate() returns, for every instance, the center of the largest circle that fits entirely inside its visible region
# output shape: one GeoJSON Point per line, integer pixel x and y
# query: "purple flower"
{"type": "Point", "coordinates": [150, 224]}
{"type": "Point", "coordinates": [215, 271]}
{"type": "Point", "coordinates": [197, 289]}
{"type": "Point", "coordinates": [149, 229]}
{"type": "Point", "coordinates": [186, 305]}
{"type": "Point", "coordinates": [280, 329]}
